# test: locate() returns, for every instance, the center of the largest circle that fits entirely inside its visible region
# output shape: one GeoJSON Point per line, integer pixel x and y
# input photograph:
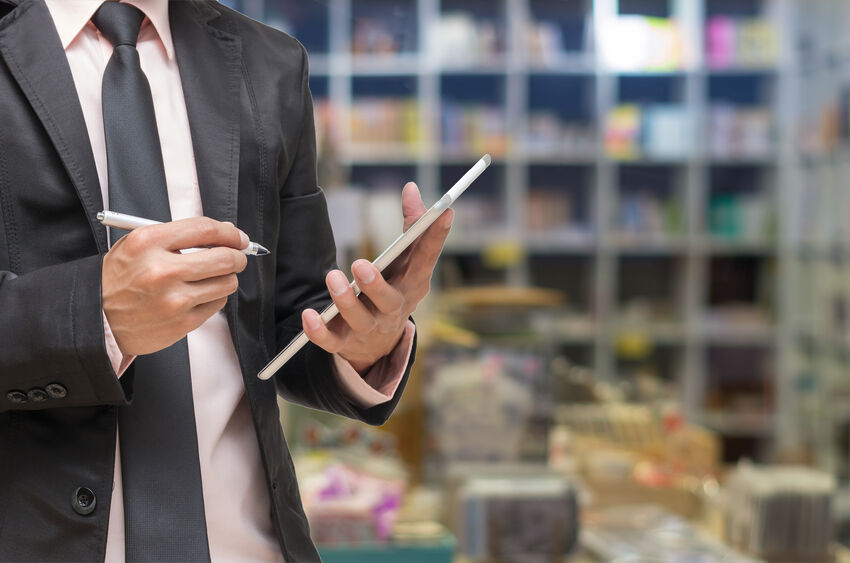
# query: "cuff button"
{"type": "Point", "coordinates": [17, 397]}
{"type": "Point", "coordinates": [56, 390]}
{"type": "Point", "coordinates": [37, 395]}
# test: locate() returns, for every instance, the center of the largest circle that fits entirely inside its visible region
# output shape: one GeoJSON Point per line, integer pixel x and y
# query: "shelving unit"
{"type": "Point", "coordinates": [820, 239]}
{"type": "Point", "coordinates": [586, 183]}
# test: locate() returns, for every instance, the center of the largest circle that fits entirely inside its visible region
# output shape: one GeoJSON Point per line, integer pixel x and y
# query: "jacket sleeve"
{"type": "Point", "coordinates": [306, 253]}
{"type": "Point", "coordinates": [52, 346]}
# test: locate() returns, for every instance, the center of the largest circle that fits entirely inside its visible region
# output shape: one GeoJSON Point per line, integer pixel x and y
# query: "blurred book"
{"type": "Point", "coordinates": [661, 131]}
{"type": "Point", "coordinates": [477, 216]}
{"type": "Point", "coordinates": [622, 132]}
{"type": "Point", "coordinates": [381, 31]}
{"type": "Point", "coordinates": [739, 217]}
{"type": "Point", "coordinates": [741, 43]}
{"type": "Point", "coordinates": [666, 132]}
{"type": "Point", "coordinates": [559, 35]}
{"type": "Point", "coordinates": [474, 129]}
{"type": "Point", "coordinates": [545, 42]}
{"type": "Point", "coordinates": [555, 212]}
{"type": "Point", "coordinates": [739, 132]}
{"type": "Point", "coordinates": [547, 134]}
{"type": "Point", "coordinates": [649, 214]}
{"type": "Point", "coordinates": [458, 39]}
{"type": "Point", "coordinates": [385, 123]}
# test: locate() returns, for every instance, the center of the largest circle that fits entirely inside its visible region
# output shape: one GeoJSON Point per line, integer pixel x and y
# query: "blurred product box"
{"type": "Point", "coordinates": [516, 518]}
{"type": "Point", "coordinates": [660, 131]}
{"type": "Point", "coordinates": [545, 42]}
{"type": "Point", "coordinates": [349, 503]}
{"type": "Point", "coordinates": [474, 129]}
{"type": "Point", "coordinates": [547, 134]}
{"type": "Point", "coordinates": [380, 32]}
{"type": "Point", "coordinates": [384, 123]}
{"type": "Point", "coordinates": [736, 42]}
{"type": "Point", "coordinates": [741, 217]}
{"type": "Point", "coordinates": [622, 132]}
{"type": "Point", "coordinates": [460, 40]}
{"type": "Point", "coordinates": [648, 213]}
{"type": "Point", "coordinates": [644, 533]}
{"type": "Point", "coordinates": [667, 132]}
{"type": "Point", "coordinates": [477, 214]}
{"type": "Point", "coordinates": [627, 454]}
{"type": "Point", "coordinates": [477, 410]}
{"type": "Point", "coordinates": [780, 513]}
{"type": "Point", "coordinates": [557, 213]}
{"type": "Point", "coordinates": [681, 500]}
{"type": "Point", "coordinates": [740, 132]}
{"type": "Point", "coordinates": [558, 34]}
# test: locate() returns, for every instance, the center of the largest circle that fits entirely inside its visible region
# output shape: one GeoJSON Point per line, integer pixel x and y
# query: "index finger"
{"type": "Point", "coordinates": [195, 233]}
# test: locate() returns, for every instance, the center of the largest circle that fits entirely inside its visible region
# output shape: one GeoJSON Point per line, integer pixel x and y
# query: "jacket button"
{"type": "Point", "coordinates": [83, 501]}
{"type": "Point", "coordinates": [37, 395]}
{"type": "Point", "coordinates": [56, 390]}
{"type": "Point", "coordinates": [17, 397]}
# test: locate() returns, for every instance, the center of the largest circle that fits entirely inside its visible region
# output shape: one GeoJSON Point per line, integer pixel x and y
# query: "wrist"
{"type": "Point", "coordinates": [364, 360]}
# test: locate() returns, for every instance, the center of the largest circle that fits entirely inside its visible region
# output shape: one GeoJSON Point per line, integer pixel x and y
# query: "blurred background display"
{"type": "Point", "coordinates": [637, 344]}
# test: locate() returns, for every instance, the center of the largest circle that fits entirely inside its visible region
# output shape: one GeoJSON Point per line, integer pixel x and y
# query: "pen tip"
{"type": "Point", "coordinates": [262, 250]}
{"type": "Point", "coordinates": [487, 160]}
{"type": "Point", "coordinates": [101, 216]}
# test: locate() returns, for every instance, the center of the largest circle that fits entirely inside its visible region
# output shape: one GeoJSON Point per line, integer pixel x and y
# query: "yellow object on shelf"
{"type": "Point", "coordinates": [503, 254]}
{"type": "Point", "coordinates": [502, 297]}
{"type": "Point", "coordinates": [453, 334]}
{"type": "Point", "coordinates": [633, 345]}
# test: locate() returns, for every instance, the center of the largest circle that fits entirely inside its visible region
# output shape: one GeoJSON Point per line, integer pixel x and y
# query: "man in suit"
{"type": "Point", "coordinates": [132, 423]}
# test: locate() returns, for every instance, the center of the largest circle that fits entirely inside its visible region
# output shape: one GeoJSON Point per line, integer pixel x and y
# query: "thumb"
{"type": "Point", "coordinates": [411, 204]}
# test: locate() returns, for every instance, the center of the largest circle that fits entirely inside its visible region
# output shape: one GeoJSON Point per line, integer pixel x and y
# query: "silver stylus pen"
{"type": "Point", "coordinates": [129, 222]}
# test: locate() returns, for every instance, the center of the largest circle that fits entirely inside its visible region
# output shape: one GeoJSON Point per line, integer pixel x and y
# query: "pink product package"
{"type": "Point", "coordinates": [720, 42]}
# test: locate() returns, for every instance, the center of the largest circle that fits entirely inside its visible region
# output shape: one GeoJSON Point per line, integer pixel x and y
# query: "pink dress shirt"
{"type": "Point", "coordinates": [238, 512]}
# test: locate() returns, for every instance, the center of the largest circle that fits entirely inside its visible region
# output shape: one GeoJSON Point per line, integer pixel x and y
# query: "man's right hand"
{"type": "Point", "coordinates": [153, 295]}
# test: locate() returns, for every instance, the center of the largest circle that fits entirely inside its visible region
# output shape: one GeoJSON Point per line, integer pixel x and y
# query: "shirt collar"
{"type": "Point", "coordinates": [71, 16]}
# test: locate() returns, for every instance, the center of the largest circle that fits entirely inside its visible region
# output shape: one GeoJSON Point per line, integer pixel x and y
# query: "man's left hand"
{"type": "Point", "coordinates": [369, 327]}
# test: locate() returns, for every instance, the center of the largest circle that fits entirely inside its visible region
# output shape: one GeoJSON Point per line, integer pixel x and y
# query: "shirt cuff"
{"type": "Point", "coordinates": [119, 361]}
{"type": "Point", "coordinates": [381, 381]}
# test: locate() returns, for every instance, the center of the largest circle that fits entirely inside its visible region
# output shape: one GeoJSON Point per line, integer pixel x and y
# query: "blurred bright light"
{"type": "Point", "coordinates": [633, 43]}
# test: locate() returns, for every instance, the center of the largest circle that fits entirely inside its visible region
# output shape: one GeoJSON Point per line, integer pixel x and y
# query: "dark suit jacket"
{"type": "Point", "coordinates": [250, 114]}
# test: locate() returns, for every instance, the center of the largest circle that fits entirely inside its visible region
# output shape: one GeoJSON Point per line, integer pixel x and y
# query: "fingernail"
{"type": "Point", "coordinates": [312, 321]}
{"type": "Point", "coordinates": [364, 271]}
{"type": "Point", "coordinates": [245, 240]}
{"type": "Point", "coordinates": [337, 283]}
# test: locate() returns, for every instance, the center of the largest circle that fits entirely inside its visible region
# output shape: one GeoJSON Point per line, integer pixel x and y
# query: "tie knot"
{"type": "Point", "coordinates": [119, 22]}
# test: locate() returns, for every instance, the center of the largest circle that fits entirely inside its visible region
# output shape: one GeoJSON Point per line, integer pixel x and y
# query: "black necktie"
{"type": "Point", "coordinates": [163, 497]}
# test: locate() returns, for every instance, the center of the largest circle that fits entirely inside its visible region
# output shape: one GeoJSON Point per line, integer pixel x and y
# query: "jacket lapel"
{"type": "Point", "coordinates": [209, 61]}
{"type": "Point", "coordinates": [6, 6]}
{"type": "Point", "coordinates": [34, 55]}
{"type": "Point", "coordinates": [210, 71]}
